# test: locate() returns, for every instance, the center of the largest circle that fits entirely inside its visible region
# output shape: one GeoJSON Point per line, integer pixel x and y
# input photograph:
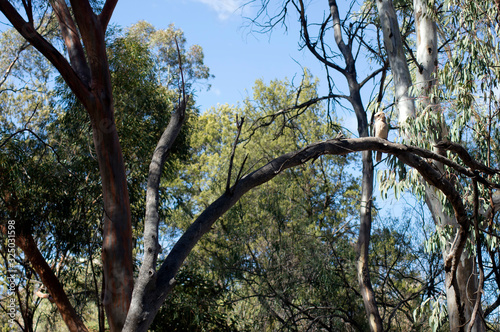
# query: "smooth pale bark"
{"type": "Point", "coordinates": [427, 62]}
{"type": "Point", "coordinates": [143, 308]}
{"type": "Point", "coordinates": [458, 305]}
{"type": "Point", "coordinates": [397, 59]}
{"type": "Point", "coordinates": [426, 52]}
{"type": "Point", "coordinates": [460, 295]}
{"type": "Point", "coordinates": [87, 74]}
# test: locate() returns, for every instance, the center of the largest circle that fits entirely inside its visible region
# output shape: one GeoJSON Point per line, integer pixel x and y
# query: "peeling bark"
{"type": "Point", "coordinates": [461, 277]}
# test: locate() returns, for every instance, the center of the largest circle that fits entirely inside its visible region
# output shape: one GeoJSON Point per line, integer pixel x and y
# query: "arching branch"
{"type": "Point", "coordinates": [164, 281]}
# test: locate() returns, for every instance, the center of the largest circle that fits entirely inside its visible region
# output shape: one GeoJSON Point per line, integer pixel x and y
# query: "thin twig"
{"type": "Point", "coordinates": [238, 177]}
{"type": "Point", "coordinates": [183, 85]}
{"type": "Point", "coordinates": [239, 125]}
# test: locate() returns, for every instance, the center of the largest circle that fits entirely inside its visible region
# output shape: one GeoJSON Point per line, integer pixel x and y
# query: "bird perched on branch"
{"type": "Point", "coordinates": [380, 130]}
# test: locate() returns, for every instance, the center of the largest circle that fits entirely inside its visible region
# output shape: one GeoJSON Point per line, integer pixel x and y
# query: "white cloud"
{"type": "Point", "coordinates": [224, 8]}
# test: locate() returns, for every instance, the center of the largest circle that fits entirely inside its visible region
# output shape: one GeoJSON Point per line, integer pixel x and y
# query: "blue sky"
{"type": "Point", "coordinates": [235, 55]}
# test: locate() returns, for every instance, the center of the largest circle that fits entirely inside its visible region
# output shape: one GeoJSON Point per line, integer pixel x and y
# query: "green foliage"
{"type": "Point", "coordinates": [163, 47]}
{"type": "Point", "coordinates": [24, 86]}
{"type": "Point", "coordinates": [434, 312]}
{"type": "Point", "coordinates": [49, 171]}
{"type": "Point", "coordinates": [463, 108]}
{"type": "Point", "coordinates": [286, 251]}
{"type": "Point", "coordinates": [287, 245]}
{"type": "Point", "coordinates": [196, 304]}
{"type": "Point", "coordinates": [283, 258]}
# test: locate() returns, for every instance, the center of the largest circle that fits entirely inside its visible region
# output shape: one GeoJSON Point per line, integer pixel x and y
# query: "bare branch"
{"type": "Point", "coordinates": [29, 10]}
{"type": "Point", "coordinates": [239, 125]}
{"type": "Point", "coordinates": [375, 73]}
{"type": "Point", "coordinates": [161, 283]}
{"type": "Point", "coordinates": [266, 120]}
{"type": "Point", "coordinates": [13, 62]}
{"type": "Point", "coordinates": [183, 84]}
{"type": "Point", "coordinates": [492, 307]}
{"type": "Point", "coordinates": [344, 49]}
{"type": "Point", "coordinates": [307, 40]}
{"type": "Point", "coordinates": [465, 156]}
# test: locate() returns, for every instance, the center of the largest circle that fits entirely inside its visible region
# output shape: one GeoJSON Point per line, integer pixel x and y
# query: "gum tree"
{"type": "Point", "coordinates": [131, 306]}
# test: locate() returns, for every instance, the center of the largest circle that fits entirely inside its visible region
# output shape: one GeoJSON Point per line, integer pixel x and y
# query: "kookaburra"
{"type": "Point", "coordinates": [380, 129]}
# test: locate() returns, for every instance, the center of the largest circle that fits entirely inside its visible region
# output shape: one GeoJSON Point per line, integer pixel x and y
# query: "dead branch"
{"type": "Point", "coordinates": [239, 125]}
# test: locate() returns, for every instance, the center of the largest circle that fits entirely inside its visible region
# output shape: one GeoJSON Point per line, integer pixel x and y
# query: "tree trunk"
{"type": "Point", "coordinates": [117, 228]}
{"type": "Point", "coordinates": [365, 218]}
{"type": "Point", "coordinates": [87, 74]}
{"type": "Point", "coordinates": [365, 213]}
{"type": "Point", "coordinates": [397, 59]}
{"type": "Point", "coordinates": [459, 307]}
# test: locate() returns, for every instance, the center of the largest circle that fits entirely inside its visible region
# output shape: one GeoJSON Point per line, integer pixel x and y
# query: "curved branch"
{"type": "Point", "coordinates": [465, 156]}
{"type": "Point", "coordinates": [262, 122]}
{"type": "Point", "coordinates": [163, 281]}
{"type": "Point", "coordinates": [372, 75]}
{"type": "Point", "coordinates": [464, 171]}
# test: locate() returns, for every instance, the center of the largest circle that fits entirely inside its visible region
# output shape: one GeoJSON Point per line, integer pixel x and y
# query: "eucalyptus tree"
{"type": "Point", "coordinates": [285, 252]}
{"type": "Point", "coordinates": [46, 142]}
{"type": "Point", "coordinates": [446, 96]}
{"type": "Point", "coordinates": [131, 306]}
{"type": "Point", "coordinates": [445, 32]}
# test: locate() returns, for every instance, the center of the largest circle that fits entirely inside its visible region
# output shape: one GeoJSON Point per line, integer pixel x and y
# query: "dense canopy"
{"type": "Point", "coordinates": [125, 207]}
